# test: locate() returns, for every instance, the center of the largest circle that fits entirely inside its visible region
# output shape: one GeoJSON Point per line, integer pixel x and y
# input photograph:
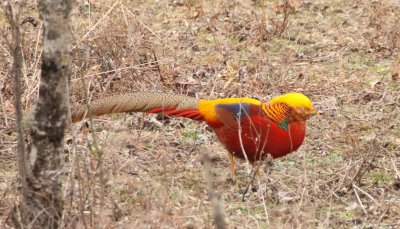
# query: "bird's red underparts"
{"type": "Point", "coordinates": [247, 132]}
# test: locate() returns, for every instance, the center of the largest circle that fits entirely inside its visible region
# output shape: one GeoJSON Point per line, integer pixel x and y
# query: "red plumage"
{"type": "Point", "coordinates": [170, 111]}
{"type": "Point", "coordinates": [259, 136]}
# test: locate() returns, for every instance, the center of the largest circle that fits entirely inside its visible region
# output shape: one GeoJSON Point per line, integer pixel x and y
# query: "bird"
{"type": "Point", "coordinates": [247, 128]}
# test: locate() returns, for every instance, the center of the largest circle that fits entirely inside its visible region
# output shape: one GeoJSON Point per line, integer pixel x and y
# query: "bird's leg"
{"type": "Point", "coordinates": [255, 168]}
{"type": "Point", "coordinates": [232, 167]}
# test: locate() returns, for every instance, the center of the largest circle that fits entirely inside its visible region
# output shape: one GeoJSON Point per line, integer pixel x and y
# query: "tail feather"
{"type": "Point", "coordinates": [152, 102]}
{"type": "Point", "coordinates": [188, 114]}
{"type": "Point", "coordinates": [195, 116]}
{"type": "Point", "coordinates": [160, 110]}
{"type": "Point", "coordinates": [198, 117]}
{"type": "Point", "coordinates": [170, 111]}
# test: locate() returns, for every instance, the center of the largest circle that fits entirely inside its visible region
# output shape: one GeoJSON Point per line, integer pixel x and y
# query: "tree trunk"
{"type": "Point", "coordinates": [43, 206]}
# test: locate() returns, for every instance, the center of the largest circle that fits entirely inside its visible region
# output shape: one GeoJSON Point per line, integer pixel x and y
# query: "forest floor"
{"type": "Point", "coordinates": [344, 55]}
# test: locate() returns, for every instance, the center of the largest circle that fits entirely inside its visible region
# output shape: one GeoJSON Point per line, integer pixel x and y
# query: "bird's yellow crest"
{"type": "Point", "coordinates": [295, 100]}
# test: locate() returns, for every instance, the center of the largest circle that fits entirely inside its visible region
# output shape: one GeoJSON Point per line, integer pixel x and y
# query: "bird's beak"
{"type": "Point", "coordinates": [311, 113]}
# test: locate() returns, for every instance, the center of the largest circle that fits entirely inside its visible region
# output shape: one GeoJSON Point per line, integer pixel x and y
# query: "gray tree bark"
{"type": "Point", "coordinates": [42, 207]}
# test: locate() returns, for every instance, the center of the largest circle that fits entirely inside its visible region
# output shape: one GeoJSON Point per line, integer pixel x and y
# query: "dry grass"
{"type": "Point", "coordinates": [343, 54]}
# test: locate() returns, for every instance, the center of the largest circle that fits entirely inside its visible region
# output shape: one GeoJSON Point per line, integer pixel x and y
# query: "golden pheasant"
{"type": "Point", "coordinates": [247, 128]}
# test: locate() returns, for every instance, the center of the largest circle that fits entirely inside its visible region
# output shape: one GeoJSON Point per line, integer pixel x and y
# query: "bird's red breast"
{"type": "Point", "coordinates": [257, 136]}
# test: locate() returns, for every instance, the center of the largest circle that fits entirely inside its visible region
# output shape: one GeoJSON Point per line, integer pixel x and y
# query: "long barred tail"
{"type": "Point", "coordinates": [152, 102]}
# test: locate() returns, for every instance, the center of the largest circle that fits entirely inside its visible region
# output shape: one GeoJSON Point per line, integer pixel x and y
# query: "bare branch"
{"type": "Point", "coordinates": [16, 52]}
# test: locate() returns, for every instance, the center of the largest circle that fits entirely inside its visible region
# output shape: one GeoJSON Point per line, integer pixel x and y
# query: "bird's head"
{"type": "Point", "coordinates": [300, 103]}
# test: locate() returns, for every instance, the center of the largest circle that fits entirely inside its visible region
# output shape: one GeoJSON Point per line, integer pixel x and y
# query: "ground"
{"type": "Point", "coordinates": [344, 55]}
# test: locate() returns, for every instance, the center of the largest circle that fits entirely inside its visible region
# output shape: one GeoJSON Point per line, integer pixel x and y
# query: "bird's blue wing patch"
{"type": "Point", "coordinates": [238, 110]}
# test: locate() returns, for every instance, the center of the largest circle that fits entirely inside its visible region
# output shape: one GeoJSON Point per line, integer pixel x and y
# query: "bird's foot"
{"type": "Point", "coordinates": [231, 180]}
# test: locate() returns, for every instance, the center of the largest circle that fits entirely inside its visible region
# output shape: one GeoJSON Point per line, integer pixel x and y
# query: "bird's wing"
{"type": "Point", "coordinates": [235, 114]}
{"type": "Point", "coordinates": [224, 111]}
{"type": "Point", "coordinates": [232, 114]}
